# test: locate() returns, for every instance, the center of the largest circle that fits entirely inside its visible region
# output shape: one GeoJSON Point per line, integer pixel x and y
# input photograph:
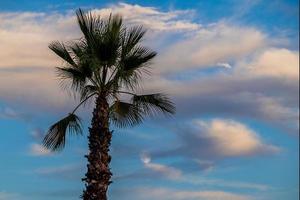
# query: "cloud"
{"type": "Point", "coordinates": [218, 139]}
{"type": "Point", "coordinates": [34, 31]}
{"type": "Point", "coordinates": [168, 194]}
{"type": "Point", "coordinates": [152, 18]}
{"type": "Point", "coordinates": [23, 30]}
{"type": "Point", "coordinates": [39, 150]}
{"type": "Point", "coordinates": [163, 170]}
{"type": "Point", "coordinates": [216, 43]}
{"type": "Point", "coordinates": [10, 113]}
{"type": "Point", "coordinates": [225, 65]}
{"type": "Point", "coordinates": [239, 95]}
{"type": "Point", "coordinates": [194, 178]}
{"type": "Point", "coordinates": [231, 138]}
{"type": "Point", "coordinates": [42, 90]}
{"type": "Point", "coordinates": [260, 83]}
{"type": "Point", "coordinates": [280, 63]}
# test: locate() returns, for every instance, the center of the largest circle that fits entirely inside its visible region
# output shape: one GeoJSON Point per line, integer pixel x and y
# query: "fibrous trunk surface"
{"type": "Point", "coordinates": [98, 172]}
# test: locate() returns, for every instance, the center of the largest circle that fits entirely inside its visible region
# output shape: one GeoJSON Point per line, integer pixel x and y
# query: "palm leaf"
{"type": "Point", "coordinates": [151, 104]}
{"type": "Point", "coordinates": [101, 35]}
{"type": "Point", "coordinates": [76, 78]}
{"type": "Point", "coordinates": [130, 38]}
{"type": "Point", "coordinates": [61, 50]}
{"type": "Point", "coordinates": [133, 66]}
{"type": "Point", "coordinates": [87, 91]}
{"type": "Point", "coordinates": [56, 136]}
{"type": "Point", "coordinates": [124, 114]}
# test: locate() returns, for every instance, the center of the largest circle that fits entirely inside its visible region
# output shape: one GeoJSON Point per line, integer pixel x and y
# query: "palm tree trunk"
{"type": "Point", "coordinates": [98, 172]}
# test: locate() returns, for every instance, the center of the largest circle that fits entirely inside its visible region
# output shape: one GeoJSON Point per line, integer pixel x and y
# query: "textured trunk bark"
{"type": "Point", "coordinates": [98, 172]}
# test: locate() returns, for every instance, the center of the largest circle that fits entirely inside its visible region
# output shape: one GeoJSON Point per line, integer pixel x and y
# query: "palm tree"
{"type": "Point", "coordinates": [105, 64]}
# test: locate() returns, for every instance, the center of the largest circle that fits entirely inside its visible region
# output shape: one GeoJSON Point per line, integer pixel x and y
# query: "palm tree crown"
{"type": "Point", "coordinates": [107, 61]}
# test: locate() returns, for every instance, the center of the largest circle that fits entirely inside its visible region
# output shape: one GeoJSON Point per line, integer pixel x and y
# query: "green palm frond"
{"type": "Point", "coordinates": [151, 104]}
{"type": "Point", "coordinates": [56, 136]}
{"type": "Point", "coordinates": [124, 114]}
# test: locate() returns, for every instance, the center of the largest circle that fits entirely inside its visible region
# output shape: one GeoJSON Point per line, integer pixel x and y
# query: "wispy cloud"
{"type": "Point", "coordinates": [163, 170]}
{"type": "Point", "coordinates": [39, 150]}
{"type": "Point", "coordinates": [195, 178]}
{"type": "Point", "coordinates": [225, 65]}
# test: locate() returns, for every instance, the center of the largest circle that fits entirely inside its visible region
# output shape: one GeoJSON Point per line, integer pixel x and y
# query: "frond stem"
{"type": "Point", "coordinates": [111, 75]}
{"type": "Point", "coordinates": [82, 102]}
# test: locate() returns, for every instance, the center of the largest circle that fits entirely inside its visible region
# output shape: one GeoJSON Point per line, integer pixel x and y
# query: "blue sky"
{"type": "Point", "coordinates": [230, 66]}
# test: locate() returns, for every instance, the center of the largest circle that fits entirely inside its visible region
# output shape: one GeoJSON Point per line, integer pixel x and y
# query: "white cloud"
{"type": "Point", "coordinates": [217, 43]}
{"type": "Point", "coordinates": [25, 37]}
{"type": "Point", "coordinates": [217, 139]}
{"type": "Point", "coordinates": [225, 65]}
{"type": "Point", "coordinates": [152, 18]}
{"type": "Point", "coordinates": [231, 138]}
{"type": "Point", "coordinates": [280, 63]}
{"type": "Point", "coordinates": [39, 150]}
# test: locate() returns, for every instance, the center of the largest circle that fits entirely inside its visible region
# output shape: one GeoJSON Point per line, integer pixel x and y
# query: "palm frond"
{"type": "Point", "coordinates": [124, 114]}
{"type": "Point", "coordinates": [138, 58]}
{"type": "Point", "coordinates": [131, 37]}
{"type": "Point", "coordinates": [88, 24]}
{"type": "Point", "coordinates": [61, 50]}
{"type": "Point", "coordinates": [131, 67]}
{"type": "Point", "coordinates": [56, 136]}
{"type": "Point", "coordinates": [88, 90]}
{"type": "Point", "coordinates": [76, 78]}
{"type": "Point", "coordinates": [101, 35]}
{"type": "Point", "coordinates": [151, 104]}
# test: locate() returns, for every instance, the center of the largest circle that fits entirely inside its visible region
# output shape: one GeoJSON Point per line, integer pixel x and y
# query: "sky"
{"type": "Point", "coordinates": [231, 67]}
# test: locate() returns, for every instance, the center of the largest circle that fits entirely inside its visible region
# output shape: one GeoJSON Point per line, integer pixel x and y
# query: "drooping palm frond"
{"type": "Point", "coordinates": [151, 104]}
{"type": "Point", "coordinates": [124, 114]}
{"type": "Point", "coordinates": [56, 136]}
